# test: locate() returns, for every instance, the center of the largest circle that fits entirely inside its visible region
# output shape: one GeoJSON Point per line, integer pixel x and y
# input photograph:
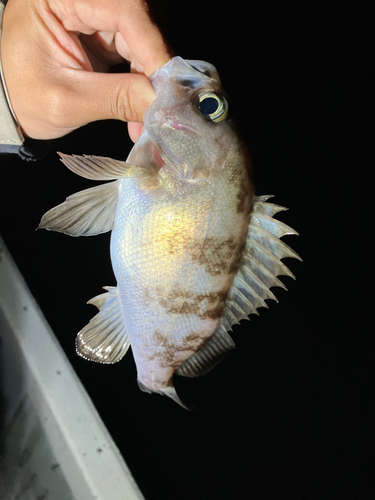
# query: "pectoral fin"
{"type": "Point", "coordinates": [99, 168]}
{"type": "Point", "coordinates": [92, 211]}
{"type": "Point", "coordinates": [85, 213]}
{"type": "Point", "coordinates": [105, 338]}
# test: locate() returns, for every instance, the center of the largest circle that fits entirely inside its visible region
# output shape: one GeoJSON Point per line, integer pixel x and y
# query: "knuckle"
{"type": "Point", "coordinates": [121, 105]}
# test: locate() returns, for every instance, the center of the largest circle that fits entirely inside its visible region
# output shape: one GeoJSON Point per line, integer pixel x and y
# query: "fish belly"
{"type": "Point", "coordinates": [173, 269]}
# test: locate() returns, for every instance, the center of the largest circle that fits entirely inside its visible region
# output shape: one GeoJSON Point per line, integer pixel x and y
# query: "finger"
{"type": "Point", "coordinates": [143, 38]}
{"type": "Point", "coordinates": [102, 45]}
{"type": "Point", "coordinates": [100, 96]}
{"type": "Point", "coordinates": [135, 129]}
{"type": "Point", "coordinates": [123, 49]}
{"type": "Point", "coordinates": [131, 19]}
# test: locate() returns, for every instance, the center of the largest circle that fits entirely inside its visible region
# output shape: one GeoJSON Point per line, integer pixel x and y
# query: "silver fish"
{"type": "Point", "coordinates": [194, 251]}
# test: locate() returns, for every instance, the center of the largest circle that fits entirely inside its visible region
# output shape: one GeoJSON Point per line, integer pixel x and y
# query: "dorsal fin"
{"type": "Point", "coordinates": [260, 264]}
{"type": "Point", "coordinates": [208, 355]}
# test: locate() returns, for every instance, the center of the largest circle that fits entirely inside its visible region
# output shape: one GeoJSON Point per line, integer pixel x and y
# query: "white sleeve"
{"type": "Point", "coordinates": [10, 132]}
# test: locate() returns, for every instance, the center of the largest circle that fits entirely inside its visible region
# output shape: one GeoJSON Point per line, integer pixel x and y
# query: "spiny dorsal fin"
{"type": "Point", "coordinates": [207, 356]}
{"type": "Point", "coordinates": [86, 213]}
{"type": "Point", "coordinates": [104, 339]}
{"type": "Point", "coordinates": [260, 264]}
{"type": "Point", "coordinates": [266, 208]}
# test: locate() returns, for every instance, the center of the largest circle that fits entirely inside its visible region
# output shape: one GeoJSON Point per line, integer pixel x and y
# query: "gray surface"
{"type": "Point", "coordinates": [53, 443]}
{"type": "Point", "coordinates": [29, 469]}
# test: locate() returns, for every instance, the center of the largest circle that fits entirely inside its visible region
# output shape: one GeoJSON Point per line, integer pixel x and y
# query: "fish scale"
{"type": "Point", "coordinates": [154, 265]}
{"type": "Point", "coordinates": [193, 250]}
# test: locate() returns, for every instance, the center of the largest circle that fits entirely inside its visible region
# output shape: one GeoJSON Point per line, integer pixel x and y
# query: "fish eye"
{"type": "Point", "coordinates": [212, 106]}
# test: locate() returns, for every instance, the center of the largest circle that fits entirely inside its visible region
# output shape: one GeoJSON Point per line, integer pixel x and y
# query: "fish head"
{"type": "Point", "coordinates": [187, 122]}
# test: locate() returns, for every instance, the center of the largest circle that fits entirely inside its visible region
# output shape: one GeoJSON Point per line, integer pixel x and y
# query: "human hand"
{"type": "Point", "coordinates": [55, 54]}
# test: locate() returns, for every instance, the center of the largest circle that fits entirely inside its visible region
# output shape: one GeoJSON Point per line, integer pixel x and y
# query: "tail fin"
{"type": "Point", "coordinates": [167, 391]}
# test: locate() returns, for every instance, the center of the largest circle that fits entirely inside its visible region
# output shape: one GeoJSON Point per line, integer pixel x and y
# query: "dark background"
{"type": "Point", "coordinates": [288, 414]}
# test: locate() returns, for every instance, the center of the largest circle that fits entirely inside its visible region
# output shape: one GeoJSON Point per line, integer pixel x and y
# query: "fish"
{"type": "Point", "coordinates": [194, 251]}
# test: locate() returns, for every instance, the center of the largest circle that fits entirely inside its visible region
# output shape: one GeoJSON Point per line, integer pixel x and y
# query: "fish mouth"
{"type": "Point", "coordinates": [174, 125]}
{"type": "Point", "coordinates": [161, 119]}
{"type": "Point", "coordinates": [162, 122]}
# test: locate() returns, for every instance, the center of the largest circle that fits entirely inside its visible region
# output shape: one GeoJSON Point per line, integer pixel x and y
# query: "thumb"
{"type": "Point", "coordinates": [101, 96]}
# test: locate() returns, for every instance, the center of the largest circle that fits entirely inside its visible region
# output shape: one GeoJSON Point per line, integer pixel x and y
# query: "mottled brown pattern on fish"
{"type": "Point", "coordinates": [170, 355]}
{"type": "Point", "coordinates": [240, 182]}
{"type": "Point", "coordinates": [192, 337]}
{"type": "Point", "coordinates": [220, 256]}
{"type": "Point", "coordinates": [242, 194]}
{"type": "Point", "coordinates": [147, 297]}
{"type": "Point", "coordinates": [174, 240]}
{"type": "Point", "coordinates": [205, 306]}
{"type": "Point", "coordinates": [239, 178]}
{"type": "Point", "coordinates": [217, 306]}
{"type": "Point", "coordinates": [236, 263]}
